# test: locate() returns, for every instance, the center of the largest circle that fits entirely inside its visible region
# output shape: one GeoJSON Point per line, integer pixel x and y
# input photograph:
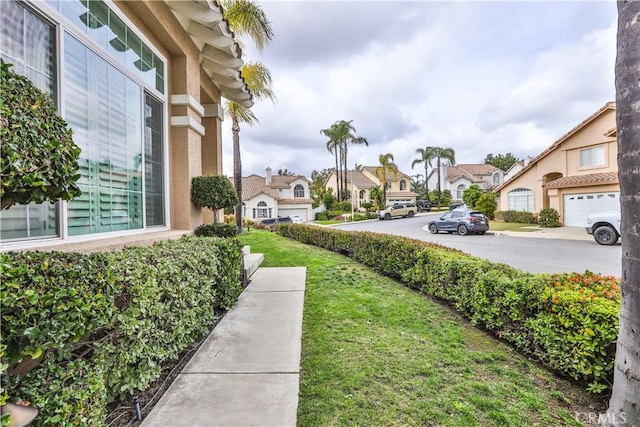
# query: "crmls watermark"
{"type": "Point", "coordinates": [599, 419]}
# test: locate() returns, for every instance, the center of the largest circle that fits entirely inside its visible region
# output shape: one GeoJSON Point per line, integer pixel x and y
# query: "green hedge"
{"type": "Point", "coordinates": [520, 217]}
{"type": "Point", "coordinates": [569, 322]}
{"type": "Point", "coordinates": [99, 327]}
{"type": "Point", "coordinates": [216, 230]}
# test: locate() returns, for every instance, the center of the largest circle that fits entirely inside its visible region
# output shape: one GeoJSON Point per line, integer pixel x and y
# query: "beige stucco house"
{"type": "Point", "coordinates": [141, 84]}
{"type": "Point", "coordinates": [361, 182]}
{"type": "Point", "coordinates": [276, 196]}
{"type": "Point", "coordinates": [577, 175]}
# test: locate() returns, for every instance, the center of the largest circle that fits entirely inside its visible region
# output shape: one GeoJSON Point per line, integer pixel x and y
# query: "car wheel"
{"type": "Point", "coordinates": [387, 216]}
{"type": "Point", "coordinates": [605, 235]}
{"type": "Point", "coordinates": [462, 230]}
{"type": "Point", "coordinates": [433, 229]}
{"type": "Point", "coordinates": [411, 214]}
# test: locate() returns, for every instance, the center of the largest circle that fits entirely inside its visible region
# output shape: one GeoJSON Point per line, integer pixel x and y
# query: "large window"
{"type": "Point", "coordinates": [298, 191]}
{"type": "Point", "coordinates": [111, 98]}
{"type": "Point", "coordinates": [591, 157]}
{"type": "Point", "coordinates": [521, 199]}
{"type": "Point", "coordinates": [460, 191]}
{"type": "Point", "coordinates": [28, 42]}
{"type": "Point", "coordinates": [403, 185]}
{"type": "Point", "coordinates": [262, 211]}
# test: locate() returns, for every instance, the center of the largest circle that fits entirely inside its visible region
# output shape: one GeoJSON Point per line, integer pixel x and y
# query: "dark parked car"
{"type": "Point", "coordinates": [461, 221]}
{"type": "Point", "coordinates": [272, 222]}
{"type": "Point", "coordinates": [423, 205]}
{"type": "Point", "coordinates": [456, 205]}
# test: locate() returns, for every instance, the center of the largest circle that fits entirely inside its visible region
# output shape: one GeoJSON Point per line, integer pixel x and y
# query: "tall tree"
{"type": "Point", "coordinates": [285, 172]}
{"type": "Point", "coordinates": [247, 18]}
{"type": "Point", "coordinates": [426, 156]}
{"type": "Point", "coordinates": [333, 146]}
{"type": "Point", "coordinates": [624, 406]}
{"type": "Point", "coordinates": [418, 185]}
{"type": "Point", "coordinates": [501, 161]}
{"type": "Point", "coordinates": [341, 134]}
{"type": "Point", "coordinates": [441, 155]}
{"type": "Point", "coordinates": [386, 165]}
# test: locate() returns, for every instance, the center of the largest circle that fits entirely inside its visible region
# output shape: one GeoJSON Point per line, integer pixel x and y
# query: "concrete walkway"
{"type": "Point", "coordinates": [246, 373]}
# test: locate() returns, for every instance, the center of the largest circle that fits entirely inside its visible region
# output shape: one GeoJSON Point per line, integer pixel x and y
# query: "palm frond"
{"type": "Point", "coordinates": [247, 18]}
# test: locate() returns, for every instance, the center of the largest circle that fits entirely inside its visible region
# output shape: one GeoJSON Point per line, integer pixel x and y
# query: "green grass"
{"type": "Point", "coordinates": [512, 226]}
{"type": "Point", "coordinates": [375, 353]}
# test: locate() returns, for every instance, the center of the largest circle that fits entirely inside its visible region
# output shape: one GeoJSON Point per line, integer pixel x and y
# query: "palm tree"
{"type": "Point", "coordinates": [247, 18]}
{"type": "Point", "coordinates": [426, 156]}
{"type": "Point", "coordinates": [624, 406]}
{"type": "Point", "coordinates": [341, 134]}
{"type": "Point", "coordinates": [332, 132]}
{"type": "Point", "coordinates": [442, 154]}
{"type": "Point", "coordinates": [386, 165]}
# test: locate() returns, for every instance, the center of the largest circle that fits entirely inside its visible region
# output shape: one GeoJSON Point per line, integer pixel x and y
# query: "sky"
{"type": "Point", "coordinates": [478, 77]}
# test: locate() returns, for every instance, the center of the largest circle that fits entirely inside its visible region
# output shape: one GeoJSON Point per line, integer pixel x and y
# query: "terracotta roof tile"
{"type": "Point", "coordinates": [253, 185]}
{"type": "Point", "coordinates": [478, 169]}
{"type": "Point", "coordinates": [360, 180]}
{"type": "Point", "coordinates": [389, 175]}
{"type": "Point", "coordinates": [584, 180]}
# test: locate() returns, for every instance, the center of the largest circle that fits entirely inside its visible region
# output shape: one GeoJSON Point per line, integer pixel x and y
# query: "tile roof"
{"type": "Point", "coordinates": [584, 180]}
{"type": "Point", "coordinates": [478, 169]}
{"type": "Point", "coordinates": [455, 172]}
{"type": "Point", "coordinates": [608, 106]}
{"type": "Point", "coordinates": [360, 180]}
{"type": "Point", "coordinates": [253, 185]}
{"type": "Point", "coordinates": [389, 175]}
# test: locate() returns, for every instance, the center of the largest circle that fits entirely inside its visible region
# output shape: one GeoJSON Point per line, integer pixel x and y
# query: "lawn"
{"type": "Point", "coordinates": [376, 353]}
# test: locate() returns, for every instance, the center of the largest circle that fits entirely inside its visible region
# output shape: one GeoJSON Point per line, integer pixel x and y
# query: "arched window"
{"type": "Point", "coordinates": [521, 199]}
{"type": "Point", "coordinates": [261, 211]}
{"type": "Point", "coordinates": [497, 178]}
{"type": "Point", "coordinates": [362, 194]}
{"type": "Point", "coordinates": [459, 191]}
{"type": "Point", "coordinates": [403, 185]}
{"type": "Point", "coordinates": [298, 191]}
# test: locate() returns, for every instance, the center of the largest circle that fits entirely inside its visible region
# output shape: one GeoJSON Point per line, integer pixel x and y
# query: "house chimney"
{"type": "Point", "coordinates": [268, 177]}
{"type": "Point", "coordinates": [527, 160]}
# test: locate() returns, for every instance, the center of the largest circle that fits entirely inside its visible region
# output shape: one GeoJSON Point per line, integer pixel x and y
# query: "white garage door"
{"type": "Point", "coordinates": [302, 213]}
{"type": "Point", "coordinates": [577, 207]}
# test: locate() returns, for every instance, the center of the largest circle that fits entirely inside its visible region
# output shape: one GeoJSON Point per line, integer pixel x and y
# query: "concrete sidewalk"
{"type": "Point", "coordinates": [247, 371]}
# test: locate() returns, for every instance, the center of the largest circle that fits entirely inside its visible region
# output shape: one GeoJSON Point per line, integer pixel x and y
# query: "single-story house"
{"type": "Point", "coordinates": [141, 84]}
{"type": "Point", "coordinates": [276, 196]}
{"type": "Point", "coordinates": [577, 175]}
{"type": "Point", "coordinates": [458, 178]}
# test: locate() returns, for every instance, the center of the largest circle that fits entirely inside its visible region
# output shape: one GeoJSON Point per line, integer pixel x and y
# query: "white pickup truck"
{"type": "Point", "coordinates": [604, 226]}
{"type": "Point", "coordinates": [403, 210]}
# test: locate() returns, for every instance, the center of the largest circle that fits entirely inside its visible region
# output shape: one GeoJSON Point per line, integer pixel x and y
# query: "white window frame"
{"type": "Point", "coordinates": [515, 198]}
{"type": "Point", "coordinates": [593, 157]}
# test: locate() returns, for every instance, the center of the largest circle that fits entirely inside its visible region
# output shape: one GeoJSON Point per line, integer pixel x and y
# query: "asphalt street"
{"type": "Point", "coordinates": [530, 254]}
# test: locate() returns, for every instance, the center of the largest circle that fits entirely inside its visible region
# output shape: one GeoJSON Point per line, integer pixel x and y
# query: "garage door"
{"type": "Point", "coordinates": [577, 207]}
{"type": "Point", "coordinates": [302, 213]}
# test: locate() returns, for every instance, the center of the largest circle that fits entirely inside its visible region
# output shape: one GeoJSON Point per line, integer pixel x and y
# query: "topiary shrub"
{"type": "Point", "coordinates": [216, 230]}
{"type": "Point", "coordinates": [38, 160]}
{"type": "Point", "coordinates": [549, 218]}
{"type": "Point", "coordinates": [213, 192]}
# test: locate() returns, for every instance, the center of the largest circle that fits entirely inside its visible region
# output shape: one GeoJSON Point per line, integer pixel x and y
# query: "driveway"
{"type": "Point", "coordinates": [557, 252]}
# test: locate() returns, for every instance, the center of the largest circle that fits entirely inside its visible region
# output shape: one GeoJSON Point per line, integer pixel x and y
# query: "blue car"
{"type": "Point", "coordinates": [460, 221]}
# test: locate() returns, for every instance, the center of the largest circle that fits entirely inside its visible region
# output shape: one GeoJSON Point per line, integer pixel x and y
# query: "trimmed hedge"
{"type": "Point", "coordinates": [100, 326]}
{"type": "Point", "coordinates": [216, 230]}
{"type": "Point", "coordinates": [569, 322]}
{"type": "Point", "coordinates": [520, 217]}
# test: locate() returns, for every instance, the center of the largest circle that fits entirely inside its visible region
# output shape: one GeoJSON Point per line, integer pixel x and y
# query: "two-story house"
{"type": "Point", "coordinates": [458, 178]}
{"type": "Point", "coordinates": [361, 182]}
{"type": "Point", "coordinates": [577, 175]}
{"type": "Point", "coordinates": [276, 196]}
{"type": "Point", "coordinates": [140, 83]}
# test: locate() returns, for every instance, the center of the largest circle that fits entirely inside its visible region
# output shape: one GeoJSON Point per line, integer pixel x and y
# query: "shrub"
{"type": "Point", "coordinates": [322, 216]}
{"type": "Point", "coordinates": [342, 207]}
{"type": "Point", "coordinates": [329, 200]}
{"type": "Point", "coordinates": [38, 159]}
{"type": "Point", "coordinates": [549, 218]}
{"type": "Point", "coordinates": [487, 204]}
{"type": "Point", "coordinates": [569, 322]}
{"type": "Point", "coordinates": [216, 230]}
{"type": "Point", "coordinates": [471, 195]}
{"type": "Point", "coordinates": [445, 198]}
{"type": "Point", "coordinates": [213, 192]}
{"type": "Point", "coordinates": [520, 217]}
{"type": "Point", "coordinates": [81, 330]}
